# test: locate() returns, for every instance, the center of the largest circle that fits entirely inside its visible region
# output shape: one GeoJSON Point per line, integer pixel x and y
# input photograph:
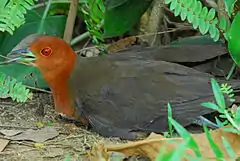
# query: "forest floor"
{"type": "Point", "coordinates": [36, 114]}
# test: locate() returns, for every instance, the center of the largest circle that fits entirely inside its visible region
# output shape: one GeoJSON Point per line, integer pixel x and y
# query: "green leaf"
{"type": "Point", "coordinates": [214, 146]}
{"type": "Point", "coordinates": [170, 116]}
{"type": "Point", "coordinates": [212, 31]}
{"type": "Point", "coordinates": [190, 17]}
{"type": "Point", "coordinates": [125, 21]}
{"type": "Point", "coordinates": [204, 13]}
{"type": "Point", "coordinates": [168, 1]}
{"type": "Point", "coordinates": [177, 9]}
{"type": "Point", "coordinates": [215, 21]}
{"type": "Point", "coordinates": [110, 4]}
{"type": "Point", "coordinates": [173, 5]}
{"type": "Point", "coordinates": [178, 154]}
{"type": "Point", "coordinates": [219, 123]}
{"type": "Point", "coordinates": [233, 39]}
{"type": "Point", "coordinates": [185, 135]}
{"type": "Point", "coordinates": [218, 94]}
{"type": "Point", "coordinates": [217, 36]}
{"type": "Point", "coordinates": [212, 106]}
{"type": "Point", "coordinates": [198, 8]}
{"type": "Point", "coordinates": [228, 148]}
{"type": "Point", "coordinates": [183, 14]}
{"type": "Point", "coordinates": [195, 21]}
{"type": "Point", "coordinates": [237, 116]}
{"type": "Point", "coordinates": [187, 3]}
{"type": "Point", "coordinates": [229, 5]}
{"type": "Point", "coordinates": [202, 26]}
{"type": "Point", "coordinates": [3, 3]}
{"type": "Point", "coordinates": [211, 14]}
{"type": "Point", "coordinates": [223, 23]}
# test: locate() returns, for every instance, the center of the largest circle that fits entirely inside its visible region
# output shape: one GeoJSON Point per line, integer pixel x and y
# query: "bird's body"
{"type": "Point", "coordinates": [121, 94]}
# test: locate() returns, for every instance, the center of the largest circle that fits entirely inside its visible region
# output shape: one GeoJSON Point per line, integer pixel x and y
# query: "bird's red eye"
{"type": "Point", "coordinates": [46, 51]}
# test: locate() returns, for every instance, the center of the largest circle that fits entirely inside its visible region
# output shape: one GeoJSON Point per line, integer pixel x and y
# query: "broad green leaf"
{"type": "Point", "coordinates": [212, 106]}
{"type": "Point", "coordinates": [186, 135]}
{"type": "Point", "coordinates": [110, 4]}
{"type": "Point", "coordinates": [195, 21]}
{"type": "Point", "coordinates": [198, 9]}
{"type": "Point", "coordinates": [3, 3]}
{"type": "Point", "coordinates": [177, 10]}
{"type": "Point", "coordinates": [218, 94]}
{"type": "Point", "coordinates": [183, 14]}
{"type": "Point", "coordinates": [229, 5]}
{"type": "Point", "coordinates": [118, 20]}
{"type": "Point", "coordinates": [233, 39]}
{"type": "Point", "coordinates": [215, 148]}
{"type": "Point", "coordinates": [228, 148]}
{"type": "Point", "coordinates": [211, 14]}
{"type": "Point", "coordinates": [223, 23]}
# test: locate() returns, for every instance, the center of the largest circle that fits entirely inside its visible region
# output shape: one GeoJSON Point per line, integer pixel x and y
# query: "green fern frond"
{"type": "Point", "coordinates": [199, 16]}
{"type": "Point", "coordinates": [9, 87]}
{"type": "Point", "coordinates": [227, 89]}
{"type": "Point", "coordinates": [12, 14]}
{"type": "Point", "coordinates": [93, 11]}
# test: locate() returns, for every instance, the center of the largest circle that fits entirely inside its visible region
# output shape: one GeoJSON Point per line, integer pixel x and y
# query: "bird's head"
{"type": "Point", "coordinates": [51, 55]}
{"type": "Point", "coordinates": [55, 59]}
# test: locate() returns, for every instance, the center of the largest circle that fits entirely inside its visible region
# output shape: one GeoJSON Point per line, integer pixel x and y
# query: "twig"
{"type": "Point", "coordinates": [38, 89]}
{"type": "Point", "coordinates": [70, 21]}
{"type": "Point", "coordinates": [40, 28]}
{"type": "Point", "coordinates": [142, 35]}
{"type": "Point", "coordinates": [80, 37]}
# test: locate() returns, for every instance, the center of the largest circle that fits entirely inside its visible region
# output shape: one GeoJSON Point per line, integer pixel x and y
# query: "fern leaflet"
{"type": "Point", "coordinates": [12, 14]}
{"type": "Point", "coordinates": [9, 87]}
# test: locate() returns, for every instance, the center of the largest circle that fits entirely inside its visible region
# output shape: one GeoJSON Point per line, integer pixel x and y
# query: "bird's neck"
{"type": "Point", "coordinates": [58, 81]}
{"type": "Point", "coordinates": [63, 99]}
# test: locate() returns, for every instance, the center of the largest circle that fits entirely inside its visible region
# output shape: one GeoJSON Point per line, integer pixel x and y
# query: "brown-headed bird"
{"type": "Point", "coordinates": [118, 94]}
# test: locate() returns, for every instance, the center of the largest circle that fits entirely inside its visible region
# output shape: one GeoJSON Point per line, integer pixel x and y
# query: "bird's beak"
{"type": "Point", "coordinates": [21, 56]}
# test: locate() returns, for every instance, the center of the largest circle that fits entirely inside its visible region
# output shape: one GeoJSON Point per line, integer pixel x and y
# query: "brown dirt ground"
{"type": "Point", "coordinates": [72, 140]}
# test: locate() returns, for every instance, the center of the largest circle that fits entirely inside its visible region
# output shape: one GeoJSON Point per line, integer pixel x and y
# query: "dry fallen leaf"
{"type": "Point", "coordinates": [152, 145]}
{"type": "Point", "coordinates": [3, 144]}
{"type": "Point", "coordinates": [10, 132]}
{"type": "Point", "coordinates": [41, 135]}
{"type": "Point", "coordinates": [122, 44]}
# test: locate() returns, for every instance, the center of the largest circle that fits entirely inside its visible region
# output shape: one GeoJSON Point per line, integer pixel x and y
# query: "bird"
{"type": "Point", "coordinates": [118, 95]}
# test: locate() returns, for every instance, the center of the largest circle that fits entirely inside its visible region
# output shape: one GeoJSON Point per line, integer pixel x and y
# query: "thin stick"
{"type": "Point", "coordinates": [70, 21]}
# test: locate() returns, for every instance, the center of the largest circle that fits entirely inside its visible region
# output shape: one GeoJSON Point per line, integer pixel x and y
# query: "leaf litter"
{"type": "Point", "coordinates": [151, 146]}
